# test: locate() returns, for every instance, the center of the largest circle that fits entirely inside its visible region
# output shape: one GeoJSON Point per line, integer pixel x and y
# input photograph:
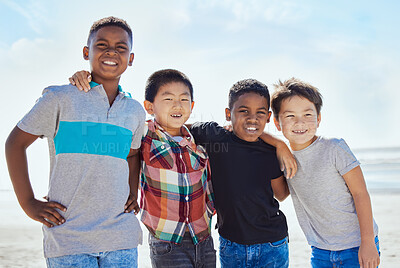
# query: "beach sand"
{"type": "Point", "coordinates": [21, 237]}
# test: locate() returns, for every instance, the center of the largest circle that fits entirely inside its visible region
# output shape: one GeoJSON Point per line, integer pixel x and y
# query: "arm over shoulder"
{"type": "Point", "coordinates": [204, 132]}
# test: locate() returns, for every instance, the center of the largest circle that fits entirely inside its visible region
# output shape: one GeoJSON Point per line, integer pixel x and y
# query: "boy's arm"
{"type": "Point", "coordinates": [368, 254]}
{"type": "Point", "coordinates": [134, 172]}
{"type": "Point", "coordinates": [285, 157]}
{"type": "Point", "coordinates": [280, 188]}
{"type": "Point", "coordinates": [42, 211]}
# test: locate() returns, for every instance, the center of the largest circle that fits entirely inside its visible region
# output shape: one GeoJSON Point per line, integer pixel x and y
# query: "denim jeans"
{"type": "Point", "coordinates": [348, 258]}
{"type": "Point", "coordinates": [126, 258]}
{"type": "Point", "coordinates": [274, 254]}
{"type": "Point", "coordinates": [185, 254]}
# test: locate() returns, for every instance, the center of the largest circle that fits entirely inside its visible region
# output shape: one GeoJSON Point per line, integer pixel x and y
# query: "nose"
{"type": "Point", "coordinates": [299, 121]}
{"type": "Point", "coordinates": [111, 51]}
{"type": "Point", "coordinates": [177, 103]}
{"type": "Point", "coordinates": [252, 118]}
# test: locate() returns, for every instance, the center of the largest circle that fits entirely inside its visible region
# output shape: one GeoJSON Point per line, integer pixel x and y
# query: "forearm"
{"type": "Point", "coordinates": [362, 203]}
{"type": "Point", "coordinates": [18, 169]}
{"type": "Point", "coordinates": [134, 172]}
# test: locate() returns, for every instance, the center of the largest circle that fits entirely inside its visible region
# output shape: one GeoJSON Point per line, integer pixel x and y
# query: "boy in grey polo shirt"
{"type": "Point", "coordinates": [93, 140]}
{"type": "Point", "coordinates": [329, 194]}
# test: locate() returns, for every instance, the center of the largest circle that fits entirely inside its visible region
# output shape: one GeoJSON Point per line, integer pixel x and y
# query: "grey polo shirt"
{"type": "Point", "coordinates": [89, 142]}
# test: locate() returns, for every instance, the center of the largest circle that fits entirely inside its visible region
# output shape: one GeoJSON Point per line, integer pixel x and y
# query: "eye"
{"type": "Point", "coordinates": [309, 115]}
{"type": "Point", "coordinates": [101, 45]}
{"type": "Point", "coordinates": [262, 113]}
{"type": "Point", "coordinates": [121, 48]}
{"type": "Point", "coordinates": [168, 99]}
{"type": "Point", "coordinates": [243, 111]}
{"type": "Point", "coordinates": [289, 116]}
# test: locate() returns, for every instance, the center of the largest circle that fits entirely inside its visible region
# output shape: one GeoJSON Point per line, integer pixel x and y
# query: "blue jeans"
{"type": "Point", "coordinates": [348, 258]}
{"type": "Point", "coordinates": [274, 254]}
{"type": "Point", "coordinates": [186, 254]}
{"type": "Point", "coordinates": [126, 258]}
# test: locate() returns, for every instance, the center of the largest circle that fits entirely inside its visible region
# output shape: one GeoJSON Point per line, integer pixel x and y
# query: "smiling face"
{"type": "Point", "coordinates": [108, 53]}
{"type": "Point", "coordinates": [298, 121]}
{"type": "Point", "coordinates": [249, 114]}
{"type": "Point", "coordinates": [171, 107]}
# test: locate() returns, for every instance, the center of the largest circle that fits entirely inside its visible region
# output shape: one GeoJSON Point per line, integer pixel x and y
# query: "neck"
{"type": "Point", "coordinates": [298, 147]}
{"type": "Point", "coordinates": [110, 86]}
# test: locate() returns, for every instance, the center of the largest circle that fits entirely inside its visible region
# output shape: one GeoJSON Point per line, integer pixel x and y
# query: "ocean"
{"type": "Point", "coordinates": [381, 168]}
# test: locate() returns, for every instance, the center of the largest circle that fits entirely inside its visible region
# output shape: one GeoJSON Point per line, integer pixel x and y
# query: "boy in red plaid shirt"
{"type": "Point", "coordinates": [176, 196]}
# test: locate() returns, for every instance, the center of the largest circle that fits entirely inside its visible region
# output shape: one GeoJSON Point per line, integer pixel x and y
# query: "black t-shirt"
{"type": "Point", "coordinates": [241, 174]}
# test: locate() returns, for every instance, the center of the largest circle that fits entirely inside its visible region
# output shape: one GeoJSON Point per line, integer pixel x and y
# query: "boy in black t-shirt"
{"type": "Point", "coordinates": [246, 177]}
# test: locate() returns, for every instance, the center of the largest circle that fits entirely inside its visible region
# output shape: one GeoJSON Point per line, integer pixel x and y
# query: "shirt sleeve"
{"type": "Point", "coordinates": [138, 133]}
{"type": "Point", "coordinates": [205, 132]}
{"type": "Point", "coordinates": [345, 160]}
{"type": "Point", "coordinates": [42, 119]}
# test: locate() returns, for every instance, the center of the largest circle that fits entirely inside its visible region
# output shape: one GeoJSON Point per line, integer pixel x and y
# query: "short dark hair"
{"type": "Point", "coordinates": [294, 87]}
{"type": "Point", "coordinates": [163, 77]}
{"type": "Point", "coordinates": [110, 21]}
{"type": "Point", "coordinates": [247, 86]}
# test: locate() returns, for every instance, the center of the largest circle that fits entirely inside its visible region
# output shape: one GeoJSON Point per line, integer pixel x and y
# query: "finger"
{"type": "Point", "coordinates": [78, 83]}
{"type": "Point", "coordinates": [57, 205]}
{"type": "Point", "coordinates": [55, 216]}
{"type": "Point", "coordinates": [83, 80]}
{"type": "Point", "coordinates": [50, 217]}
{"type": "Point", "coordinates": [360, 261]}
{"type": "Point", "coordinates": [288, 173]}
{"type": "Point", "coordinates": [136, 209]}
{"type": "Point", "coordinates": [86, 81]}
{"type": "Point", "coordinates": [129, 208]}
{"type": "Point", "coordinates": [71, 81]}
{"type": "Point", "coordinates": [45, 222]}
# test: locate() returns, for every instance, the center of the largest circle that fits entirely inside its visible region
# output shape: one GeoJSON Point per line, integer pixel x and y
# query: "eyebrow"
{"type": "Point", "coordinates": [261, 108]}
{"type": "Point", "coordinates": [170, 93]}
{"type": "Point", "coordinates": [119, 42]}
{"type": "Point", "coordinates": [307, 110]}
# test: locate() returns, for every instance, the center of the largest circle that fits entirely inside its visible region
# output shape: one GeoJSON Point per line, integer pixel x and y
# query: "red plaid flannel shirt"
{"type": "Point", "coordinates": [176, 191]}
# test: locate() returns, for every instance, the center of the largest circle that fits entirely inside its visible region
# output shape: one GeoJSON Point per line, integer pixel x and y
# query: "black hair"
{"type": "Point", "coordinates": [163, 77]}
{"type": "Point", "coordinates": [110, 21]}
{"type": "Point", "coordinates": [294, 87]}
{"type": "Point", "coordinates": [247, 86]}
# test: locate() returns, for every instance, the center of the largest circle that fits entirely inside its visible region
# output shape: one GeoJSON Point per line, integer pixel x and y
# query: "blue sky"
{"type": "Point", "coordinates": [348, 49]}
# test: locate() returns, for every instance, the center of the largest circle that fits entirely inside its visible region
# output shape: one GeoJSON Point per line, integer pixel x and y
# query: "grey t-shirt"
{"type": "Point", "coordinates": [88, 142]}
{"type": "Point", "coordinates": [324, 205]}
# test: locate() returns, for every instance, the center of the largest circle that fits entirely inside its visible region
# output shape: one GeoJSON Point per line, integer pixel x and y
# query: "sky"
{"type": "Point", "coordinates": [347, 49]}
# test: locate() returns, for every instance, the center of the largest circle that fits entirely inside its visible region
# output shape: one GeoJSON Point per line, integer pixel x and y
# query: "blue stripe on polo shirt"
{"type": "Point", "coordinates": [93, 138]}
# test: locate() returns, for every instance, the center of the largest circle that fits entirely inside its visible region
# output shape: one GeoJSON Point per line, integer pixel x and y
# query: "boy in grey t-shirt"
{"type": "Point", "coordinates": [94, 163]}
{"type": "Point", "coordinates": [329, 194]}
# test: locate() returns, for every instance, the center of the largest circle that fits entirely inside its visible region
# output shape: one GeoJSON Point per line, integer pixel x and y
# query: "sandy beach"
{"type": "Point", "coordinates": [21, 237]}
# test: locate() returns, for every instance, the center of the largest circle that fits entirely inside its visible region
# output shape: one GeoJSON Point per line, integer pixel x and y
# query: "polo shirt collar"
{"type": "Point", "coordinates": [120, 91]}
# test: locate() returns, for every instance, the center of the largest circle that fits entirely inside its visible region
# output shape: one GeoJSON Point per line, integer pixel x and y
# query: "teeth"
{"type": "Point", "coordinates": [299, 131]}
{"type": "Point", "coordinates": [110, 62]}
{"type": "Point", "coordinates": [176, 115]}
{"type": "Point", "coordinates": [251, 128]}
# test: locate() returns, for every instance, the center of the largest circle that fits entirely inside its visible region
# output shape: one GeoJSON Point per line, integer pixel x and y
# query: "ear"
{"type": "Point", "coordinates": [227, 114]}
{"type": "Point", "coordinates": [148, 106]}
{"type": "Point", "coordinates": [192, 105]}
{"type": "Point", "coordinates": [318, 119]}
{"type": "Point", "coordinates": [131, 57]}
{"type": "Point", "coordinates": [269, 116]}
{"type": "Point", "coordinates": [86, 53]}
{"type": "Point", "coordinates": [276, 122]}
